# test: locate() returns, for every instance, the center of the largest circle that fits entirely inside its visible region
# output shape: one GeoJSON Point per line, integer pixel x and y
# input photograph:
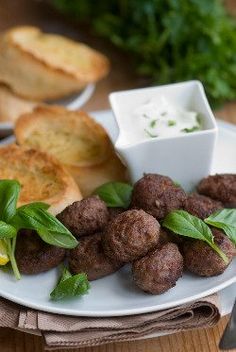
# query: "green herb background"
{"type": "Point", "coordinates": [170, 40]}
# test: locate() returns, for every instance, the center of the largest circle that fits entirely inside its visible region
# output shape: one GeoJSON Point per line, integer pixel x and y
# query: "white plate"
{"type": "Point", "coordinates": [116, 295]}
{"type": "Point", "coordinates": [73, 102]}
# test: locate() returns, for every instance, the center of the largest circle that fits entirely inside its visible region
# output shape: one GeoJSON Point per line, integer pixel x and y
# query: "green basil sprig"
{"type": "Point", "coordinates": [7, 231]}
{"type": "Point", "coordinates": [32, 216]}
{"type": "Point", "coordinates": [47, 226]}
{"type": "Point", "coordinates": [185, 224]}
{"type": "Point", "coordinates": [224, 219]}
{"type": "Point", "coordinates": [9, 193]}
{"type": "Point", "coordinates": [70, 286]}
{"type": "Point", "coordinates": [115, 194]}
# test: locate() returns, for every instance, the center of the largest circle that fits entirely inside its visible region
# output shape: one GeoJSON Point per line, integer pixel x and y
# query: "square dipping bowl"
{"type": "Point", "coordinates": [185, 158]}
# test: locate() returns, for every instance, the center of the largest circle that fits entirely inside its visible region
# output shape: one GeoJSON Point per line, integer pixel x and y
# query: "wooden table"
{"type": "Point", "coordinates": [14, 12]}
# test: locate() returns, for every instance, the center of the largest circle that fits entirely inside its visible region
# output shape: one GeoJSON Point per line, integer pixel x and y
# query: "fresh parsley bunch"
{"type": "Point", "coordinates": [33, 216]}
{"type": "Point", "coordinates": [169, 40]}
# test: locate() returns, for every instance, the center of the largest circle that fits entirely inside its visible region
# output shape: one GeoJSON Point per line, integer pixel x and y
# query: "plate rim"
{"type": "Point", "coordinates": [124, 312]}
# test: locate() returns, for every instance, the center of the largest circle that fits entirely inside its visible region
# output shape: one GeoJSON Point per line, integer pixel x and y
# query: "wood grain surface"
{"type": "Point", "coordinates": [15, 12]}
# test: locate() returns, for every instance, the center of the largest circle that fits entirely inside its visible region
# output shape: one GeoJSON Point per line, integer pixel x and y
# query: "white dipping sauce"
{"type": "Point", "coordinates": [160, 118]}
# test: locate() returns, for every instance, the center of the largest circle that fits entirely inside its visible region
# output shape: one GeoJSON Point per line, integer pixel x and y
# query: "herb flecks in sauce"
{"type": "Point", "coordinates": [150, 134]}
{"type": "Point", "coordinates": [171, 123]}
{"type": "Point", "coordinates": [159, 117]}
{"type": "Point", "coordinates": [153, 123]}
{"type": "Point", "coordinates": [189, 130]}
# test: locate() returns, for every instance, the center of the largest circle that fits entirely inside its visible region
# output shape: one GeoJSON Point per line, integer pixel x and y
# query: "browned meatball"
{"type": "Point", "coordinates": [169, 236]}
{"type": "Point", "coordinates": [165, 237]}
{"type": "Point", "coordinates": [130, 235]}
{"type": "Point", "coordinates": [201, 206]}
{"type": "Point", "coordinates": [88, 216]}
{"type": "Point", "coordinates": [201, 259]}
{"type": "Point", "coordinates": [113, 212]}
{"type": "Point", "coordinates": [157, 195]}
{"type": "Point", "coordinates": [159, 270]}
{"type": "Point", "coordinates": [89, 257]}
{"type": "Point", "coordinates": [34, 256]}
{"type": "Point", "coordinates": [221, 187]}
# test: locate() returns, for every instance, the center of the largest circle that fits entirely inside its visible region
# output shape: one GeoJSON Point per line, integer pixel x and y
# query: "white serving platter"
{"type": "Point", "coordinates": [116, 295]}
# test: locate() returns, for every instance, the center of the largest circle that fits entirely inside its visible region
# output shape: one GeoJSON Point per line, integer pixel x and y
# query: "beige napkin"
{"type": "Point", "coordinates": [60, 331]}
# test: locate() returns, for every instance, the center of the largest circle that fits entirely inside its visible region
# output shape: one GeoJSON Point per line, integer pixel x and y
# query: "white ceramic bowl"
{"type": "Point", "coordinates": [185, 158]}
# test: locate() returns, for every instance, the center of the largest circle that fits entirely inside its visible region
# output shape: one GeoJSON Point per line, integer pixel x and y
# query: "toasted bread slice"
{"type": "Point", "coordinates": [42, 177]}
{"type": "Point", "coordinates": [44, 66]}
{"type": "Point", "coordinates": [12, 106]}
{"type": "Point", "coordinates": [72, 137]}
{"type": "Point", "coordinates": [89, 178]}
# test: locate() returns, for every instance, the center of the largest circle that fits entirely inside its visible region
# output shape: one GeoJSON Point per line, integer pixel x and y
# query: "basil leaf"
{"type": "Point", "coordinates": [7, 231]}
{"type": "Point", "coordinates": [224, 219]}
{"type": "Point", "coordinates": [63, 240]}
{"type": "Point", "coordinates": [36, 205]}
{"type": "Point", "coordinates": [185, 224]}
{"type": "Point", "coordinates": [9, 193]}
{"type": "Point", "coordinates": [115, 194]}
{"type": "Point", "coordinates": [65, 274]}
{"type": "Point", "coordinates": [70, 286]}
{"type": "Point", "coordinates": [47, 226]}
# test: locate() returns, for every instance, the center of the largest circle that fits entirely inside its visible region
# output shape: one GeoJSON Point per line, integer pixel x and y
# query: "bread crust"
{"type": "Point", "coordinates": [41, 176]}
{"type": "Point", "coordinates": [73, 137]}
{"type": "Point", "coordinates": [36, 75]}
{"type": "Point", "coordinates": [99, 62]}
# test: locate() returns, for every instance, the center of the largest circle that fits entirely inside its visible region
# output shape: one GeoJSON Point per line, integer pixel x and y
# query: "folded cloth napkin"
{"type": "Point", "coordinates": [60, 331]}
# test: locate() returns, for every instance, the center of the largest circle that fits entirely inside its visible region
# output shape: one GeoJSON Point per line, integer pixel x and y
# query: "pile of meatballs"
{"type": "Point", "coordinates": [112, 237]}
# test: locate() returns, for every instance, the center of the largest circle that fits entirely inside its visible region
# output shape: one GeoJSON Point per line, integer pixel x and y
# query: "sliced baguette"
{"type": "Point", "coordinates": [12, 106]}
{"type": "Point", "coordinates": [44, 66]}
{"type": "Point", "coordinates": [42, 177]}
{"type": "Point", "coordinates": [73, 137]}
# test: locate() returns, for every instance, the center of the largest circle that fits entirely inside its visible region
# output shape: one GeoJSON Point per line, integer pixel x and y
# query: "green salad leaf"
{"type": "Point", "coordinates": [70, 286]}
{"type": "Point", "coordinates": [115, 194]}
{"type": "Point", "coordinates": [224, 219]}
{"type": "Point", "coordinates": [185, 224]}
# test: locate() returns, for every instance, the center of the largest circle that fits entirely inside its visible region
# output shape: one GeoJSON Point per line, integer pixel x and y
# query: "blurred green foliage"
{"type": "Point", "coordinates": [170, 40]}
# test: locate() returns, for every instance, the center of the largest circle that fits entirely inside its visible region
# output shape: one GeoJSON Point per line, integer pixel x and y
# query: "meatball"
{"type": "Point", "coordinates": [201, 206]}
{"type": "Point", "coordinates": [165, 237]}
{"type": "Point", "coordinates": [130, 235]}
{"type": "Point", "coordinates": [88, 216]}
{"type": "Point", "coordinates": [157, 195]}
{"type": "Point", "coordinates": [220, 187]}
{"type": "Point", "coordinates": [89, 257]}
{"type": "Point", "coordinates": [201, 259]}
{"type": "Point", "coordinates": [159, 270]}
{"type": "Point", "coordinates": [113, 212]}
{"type": "Point", "coordinates": [169, 236]}
{"type": "Point", "coordinates": [34, 256]}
